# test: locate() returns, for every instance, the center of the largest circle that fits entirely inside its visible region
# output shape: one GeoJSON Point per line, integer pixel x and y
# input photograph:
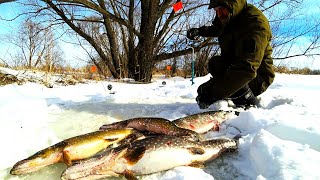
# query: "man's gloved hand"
{"type": "Point", "coordinates": [205, 97]}
{"type": "Point", "coordinates": [192, 33]}
{"type": "Point", "coordinates": [203, 102]}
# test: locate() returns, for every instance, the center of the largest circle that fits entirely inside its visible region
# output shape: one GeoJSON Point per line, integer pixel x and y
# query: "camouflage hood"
{"type": "Point", "coordinates": [234, 6]}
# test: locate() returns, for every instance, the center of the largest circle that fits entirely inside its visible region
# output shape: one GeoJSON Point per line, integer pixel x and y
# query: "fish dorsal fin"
{"type": "Point", "coordinates": [197, 164]}
{"type": "Point", "coordinates": [196, 150]}
{"type": "Point", "coordinates": [135, 155]}
{"type": "Point", "coordinates": [129, 175]}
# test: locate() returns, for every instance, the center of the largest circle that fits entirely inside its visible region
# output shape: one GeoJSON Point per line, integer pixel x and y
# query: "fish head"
{"type": "Point", "coordinates": [37, 161]}
{"type": "Point", "coordinates": [85, 175]}
{"type": "Point", "coordinates": [96, 167]}
{"type": "Point", "coordinates": [27, 166]}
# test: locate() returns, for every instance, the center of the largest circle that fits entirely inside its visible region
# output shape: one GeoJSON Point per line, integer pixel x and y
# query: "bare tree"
{"type": "Point", "coordinates": [36, 46]}
{"type": "Point", "coordinates": [136, 32]}
{"type": "Point", "coordinates": [202, 58]}
{"type": "Point", "coordinates": [131, 36]}
{"type": "Point", "coordinates": [52, 56]}
{"type": "Point", "coordinates": [29, 41]}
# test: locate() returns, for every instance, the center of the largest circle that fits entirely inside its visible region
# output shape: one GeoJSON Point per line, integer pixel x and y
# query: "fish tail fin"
{"type": "Point", "coordinates": [236, 139]}
{"type": "Point", "coordinates": [237, 113]}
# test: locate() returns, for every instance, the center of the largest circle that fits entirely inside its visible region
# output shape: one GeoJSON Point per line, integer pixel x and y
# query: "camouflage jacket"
{"type": "Point", "coordinates": [245, 48]}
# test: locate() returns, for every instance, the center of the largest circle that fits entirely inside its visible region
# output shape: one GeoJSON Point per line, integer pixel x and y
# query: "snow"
{"type": "Point", "coordinates": [280, 139]}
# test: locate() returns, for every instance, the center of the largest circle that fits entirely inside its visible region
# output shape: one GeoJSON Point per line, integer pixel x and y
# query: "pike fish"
{"type": "Point", "coordinates": [199, 123]}
{"type": "Point", "coordinates": [205, 121]}
{"type": "Point", "coordinates": [147, 156]}
{"type": "Point", "coordinates": [74, 149]}
{"type": "Point", "coordinates": [153, 125]}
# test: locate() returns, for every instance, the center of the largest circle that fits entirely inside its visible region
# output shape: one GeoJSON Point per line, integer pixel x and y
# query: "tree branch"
{"type": "Point", "coordinates": [95, 7]}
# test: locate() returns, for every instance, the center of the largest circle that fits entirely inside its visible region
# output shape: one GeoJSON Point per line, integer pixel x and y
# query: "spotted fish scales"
{"type": "Point", "coordinates": [150, 155]}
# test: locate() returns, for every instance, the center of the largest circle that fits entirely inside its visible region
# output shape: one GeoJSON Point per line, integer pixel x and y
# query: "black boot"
{"type": "Point", "coordinates": [244, 98]}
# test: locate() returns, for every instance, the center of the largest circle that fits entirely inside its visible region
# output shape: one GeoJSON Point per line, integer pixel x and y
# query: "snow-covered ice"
{"type": "Point", "coordinates": [280, 140]}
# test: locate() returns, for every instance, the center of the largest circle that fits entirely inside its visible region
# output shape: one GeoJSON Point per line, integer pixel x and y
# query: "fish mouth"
{"type": "Point", "coordinates": [90, 168]}
{"type": "Point", "coordinates": [94, 168]}
{"type": "Point", "coordinates": [26, 166]}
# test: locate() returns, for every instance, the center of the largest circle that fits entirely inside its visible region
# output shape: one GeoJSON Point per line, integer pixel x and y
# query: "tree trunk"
{"type": "Point", "coordinates": [90, 40]}
{"type": "Point", "coordinates": [174, 67]}
{"type": "Point", "coordinates": [149, 11]}
{"type": "Point", "coordinates": [132, 59]}
{"type": "Point", "coordinates": [112, 40]}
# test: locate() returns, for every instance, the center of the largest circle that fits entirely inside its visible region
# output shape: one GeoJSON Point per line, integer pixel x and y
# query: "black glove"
{"type": "Point", "coordinates": [205, 97]}
{"type": "Point", "coordinates": [203, 102]}
{"type": "Point", "coordinates": [192, 33]}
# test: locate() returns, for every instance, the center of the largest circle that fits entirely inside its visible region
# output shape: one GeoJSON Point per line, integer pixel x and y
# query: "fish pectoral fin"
{"type": "Point", "coordinates": [129, 175]}
{"type": "Point", "coordinates": [135, 155]}
{"type": "Point", "coordinates": [197, 164]}
{"type": "Point", "coordinates": [67, 157]}
{"type": "Point", "coordinates": [196, 150]}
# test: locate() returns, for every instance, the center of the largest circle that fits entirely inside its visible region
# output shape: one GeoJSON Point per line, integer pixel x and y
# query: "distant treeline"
{"type": "Point", "coordinates": [305, 71]}
{"type": "Point", "coordinates": [85, 72]}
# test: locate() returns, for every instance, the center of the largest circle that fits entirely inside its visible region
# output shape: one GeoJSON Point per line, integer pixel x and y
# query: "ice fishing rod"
{"type": "Point", "coordinates": [192, 66]}
{"type": "Point", "coordinates": [179, 6]}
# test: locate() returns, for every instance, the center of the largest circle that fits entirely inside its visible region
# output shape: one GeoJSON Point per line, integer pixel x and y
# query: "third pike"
{"type": "Point", "coordinates": [199, 123]}
{"type": "Point", "coordinates": [153, 125]}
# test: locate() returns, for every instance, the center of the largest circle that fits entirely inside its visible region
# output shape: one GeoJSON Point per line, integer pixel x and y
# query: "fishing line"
{"type": "Point", "coordinates": [229, 125]}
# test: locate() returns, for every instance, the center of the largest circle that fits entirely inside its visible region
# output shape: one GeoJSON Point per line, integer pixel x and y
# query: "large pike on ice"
{"type": "Point", "coordinates": [153, 125]}
{"type": "Point", "coordinates": [200, 123]}
{"type": "Point", "coordinates": [74, 149]}
{"type": "Point", "coordinates": [149, 155]}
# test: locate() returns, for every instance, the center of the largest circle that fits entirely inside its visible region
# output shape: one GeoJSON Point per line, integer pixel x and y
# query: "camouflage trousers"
{"type": "Point", "coordinates": [218, 66]}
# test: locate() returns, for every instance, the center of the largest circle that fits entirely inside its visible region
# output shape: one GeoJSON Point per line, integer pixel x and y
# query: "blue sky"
{"type": "Point", "coordinates": [10, 10]}
{"type": "Point", "coordinates": [7, 11]}
{"type": "Point", "coordinates": [72, 54]}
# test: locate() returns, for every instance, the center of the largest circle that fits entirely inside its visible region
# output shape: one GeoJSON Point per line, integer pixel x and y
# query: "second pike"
{"type": "Point", "coordinates": [147, 156]}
